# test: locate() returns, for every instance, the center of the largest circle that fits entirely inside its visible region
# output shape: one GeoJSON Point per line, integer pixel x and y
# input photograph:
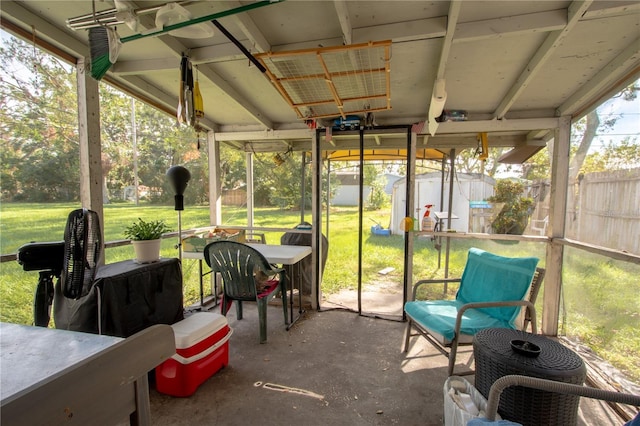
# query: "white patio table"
{"type": "Point", "coordinates": [52, 376]}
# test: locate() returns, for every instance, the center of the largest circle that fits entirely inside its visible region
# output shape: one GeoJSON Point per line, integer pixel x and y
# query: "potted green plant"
{"type": "Point", "coordinates": [146, 239]}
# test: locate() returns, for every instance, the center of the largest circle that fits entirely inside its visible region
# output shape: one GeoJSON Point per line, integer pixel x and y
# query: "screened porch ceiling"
{"type": "Point", "coordinates": [513, 66]}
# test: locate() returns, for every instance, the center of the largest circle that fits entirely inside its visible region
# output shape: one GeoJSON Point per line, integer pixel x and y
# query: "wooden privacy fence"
{"type": "Point", "coordinates": [608, 212]}
{"type": "Point", "coordinates": [602, 209]}
{"type": "Point", "coordinates": [234, 197]}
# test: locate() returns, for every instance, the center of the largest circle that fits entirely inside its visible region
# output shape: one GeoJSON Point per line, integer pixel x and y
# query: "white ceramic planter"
{"type": "Point", "coordinates": [147, 251]}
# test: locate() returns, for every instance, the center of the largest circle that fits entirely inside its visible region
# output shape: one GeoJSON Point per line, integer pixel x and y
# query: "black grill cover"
{"type": "Point", "coordinates": [132, 297]}
{"type": "Point", "coordinates": [296, 239]}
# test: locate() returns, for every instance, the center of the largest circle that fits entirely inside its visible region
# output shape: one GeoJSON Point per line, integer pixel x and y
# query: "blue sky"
{"type": "Point", "coordinates": [628, 123]}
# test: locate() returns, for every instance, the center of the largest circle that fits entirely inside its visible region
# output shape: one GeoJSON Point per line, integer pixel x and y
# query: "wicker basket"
{"type": "Point", "coordinates": [496, 358]}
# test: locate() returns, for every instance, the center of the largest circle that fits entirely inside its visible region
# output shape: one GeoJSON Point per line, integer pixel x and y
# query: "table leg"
{"type": "Point", "coordinates": [201, 284]}
{"type": "Point", "coordinates": [142, 415]}
{"type": "Point", "coordinates": [300, 310]}
{"type": "Point", "coordinates": [297, 268]}
{"type": "Point", "coordinates": [439, 243]}
{"type": "Point", "coordinates": [214, 280]}
{"type": "Point", "coordinates": [214, 286]}
{"type": "Point", "coordinates": [291, 298]}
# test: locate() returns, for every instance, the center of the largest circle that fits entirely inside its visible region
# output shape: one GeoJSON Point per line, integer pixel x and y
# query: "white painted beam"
{"type": "Point", "coordinates": [553, 20]}
{"type": "Point", "coordinates": [452, 127]}
{"type": "Point", "coordinates": [265, 135]}
{"type": "Point", "coordinates": [215, 180]}
{"type": "Point", "coordinates": [419, 29]}
{"type": "Point", "coordinates": [557, 217]}
{"type": "Point", "coordinates": [207, 72]}
{"type": "Point", "coordinates": [614, 70]}
{"type": "Point", "coordinates": [91, 195]}
{"type": "Point", "coordinates": [203, 55]}
{"type": "Point", "coordinates": [454, 14]}
{"type": "Point", "coordinates": [257, 40]}
{"type": "Point", "coordinates": [18, 14]}
{"type": "Point", "coordinates": [249, 193]}
{"type": "Point", "coordinates": [551, 43]}
{"type": "Point", "coordinates": [345, 21]}
{"type": "Point", "coordinates": [438, 92]}
{"type": "Point", "coordinates": [310, 44]}
{"type": "Point", "coordinates": [607, 9]}
{"type": "Point", "coordinates": [216, 53]}
{"type": "Point", "coordinates": [143, 66]}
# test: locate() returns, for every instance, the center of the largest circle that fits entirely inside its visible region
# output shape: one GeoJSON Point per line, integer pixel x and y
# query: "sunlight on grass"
{"type": "Point", "coordinates": [602, 299]}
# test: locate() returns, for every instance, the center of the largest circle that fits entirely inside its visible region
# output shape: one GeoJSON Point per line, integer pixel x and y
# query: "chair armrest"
{"type": "Point", "coordinates": [477, 305]}
{"type": "Point", "coordinates": [432, 281]}
{"type": "Point", "coordinates": [282, 272]}
{"type": "Point", "coordinates": [552, 386]}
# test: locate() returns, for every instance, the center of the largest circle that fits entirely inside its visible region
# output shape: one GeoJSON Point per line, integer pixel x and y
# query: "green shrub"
{"type": "Point", "coordinates": [514, 216]}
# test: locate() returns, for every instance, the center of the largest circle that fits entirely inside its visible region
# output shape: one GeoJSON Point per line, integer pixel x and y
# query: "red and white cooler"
{"type": "Point", "coordinates": [202, 348]}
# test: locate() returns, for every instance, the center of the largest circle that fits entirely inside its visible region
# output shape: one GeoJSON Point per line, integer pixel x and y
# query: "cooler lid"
{"type": "Point", "coordinates": [197, 327]}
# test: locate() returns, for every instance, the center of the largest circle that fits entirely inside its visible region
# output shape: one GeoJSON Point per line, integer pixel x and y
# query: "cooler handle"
{"type": "Point", "coordinates": [205, 353]}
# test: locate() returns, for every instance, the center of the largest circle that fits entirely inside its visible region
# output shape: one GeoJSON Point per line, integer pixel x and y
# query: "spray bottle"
{"type": "Point", "coordinates": [428, 223]}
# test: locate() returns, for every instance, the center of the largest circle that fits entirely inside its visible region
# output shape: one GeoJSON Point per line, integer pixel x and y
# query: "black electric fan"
{"type": "Point", "coordinates": [73, 261]}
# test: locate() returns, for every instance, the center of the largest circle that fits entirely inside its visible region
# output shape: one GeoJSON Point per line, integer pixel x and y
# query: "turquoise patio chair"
{"type": "Point", "coordinates": [493, 289]}
{"type": "Point", "coordinates": [246, 277]}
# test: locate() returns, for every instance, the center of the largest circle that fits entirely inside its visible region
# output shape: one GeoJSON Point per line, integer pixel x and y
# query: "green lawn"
{"type": "Point", "coordinates": [602, 297]}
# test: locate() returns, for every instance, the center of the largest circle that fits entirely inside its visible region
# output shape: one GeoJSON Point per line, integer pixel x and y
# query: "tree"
{"type": "Point", "coordinates": [233, 168]}
{"type": "Point", "coordinates": [39, 149]}
{"type": "Point", "coordinates": [39, 131]}
{"type": "Point", "coordinates": [378, 198]}
{"type": "Point", "coordinates": [273, 185]}
{"type": "Point", "coordinates": [613, 156]}
{"type": "Point", "coordinates": [468, 161]}
{"type": "Point", "coordinates": [584, 131]}
{"type": "Point", "coordinates": [514, 216]}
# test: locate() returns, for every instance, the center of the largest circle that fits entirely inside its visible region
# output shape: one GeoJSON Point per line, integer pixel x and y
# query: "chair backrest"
{"type": "Point", "coordinates": [238, 265]}
{"type": "Point", "coordinates": [255, 237]}
{"type": "Point", "coordinates": [488, 277]}
{"type": "Point", "coordinates": [536, 285]}
{"type": "Point", "coordinates": [542, 227]}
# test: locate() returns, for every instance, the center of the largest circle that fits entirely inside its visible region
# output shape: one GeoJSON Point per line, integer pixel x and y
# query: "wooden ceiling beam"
{"type": "Point", "coordinates": [345, 21]}
{"type": "Point", "coordinates": [542, 55]}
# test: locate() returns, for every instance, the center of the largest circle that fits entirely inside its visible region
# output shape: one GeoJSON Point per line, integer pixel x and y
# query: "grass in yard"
{"type": "Point", "coordinates": [602, 296]}
{"type": "Point", "coordinates": [603, 307]}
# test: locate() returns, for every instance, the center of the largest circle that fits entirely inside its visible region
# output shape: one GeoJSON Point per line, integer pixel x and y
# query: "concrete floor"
{"type": "Point", "coordinates": [345, 369]}
{"type": "Point", "coordinates": [354, 364]}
